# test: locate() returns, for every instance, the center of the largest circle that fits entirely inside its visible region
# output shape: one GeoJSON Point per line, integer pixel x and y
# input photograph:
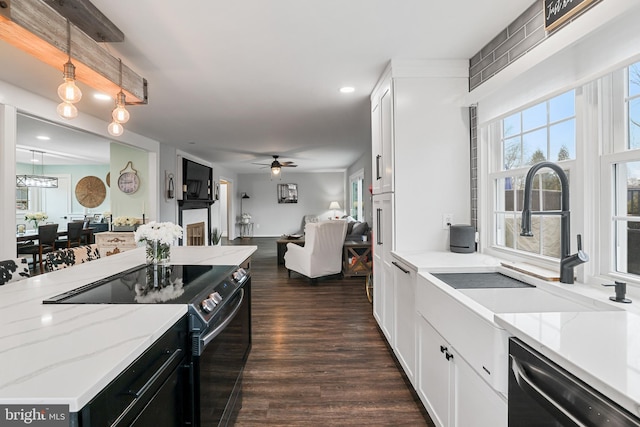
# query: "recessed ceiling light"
{"type": "Point", "coordinates": [347, 89]}
{"type": "Point", "coordinates": [102, 97]}
{"type": "Point", "coordinates": [43, 137]}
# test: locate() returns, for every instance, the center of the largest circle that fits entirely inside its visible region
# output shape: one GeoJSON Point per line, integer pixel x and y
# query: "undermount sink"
{"type": "Point", "coordinates": [530, 300]}
{"type": "Point", "coordinates": [480, 280]}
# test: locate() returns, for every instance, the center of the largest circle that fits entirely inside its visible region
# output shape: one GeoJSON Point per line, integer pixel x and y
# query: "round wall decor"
{"type": "Point", "coordinates": [90, 191]}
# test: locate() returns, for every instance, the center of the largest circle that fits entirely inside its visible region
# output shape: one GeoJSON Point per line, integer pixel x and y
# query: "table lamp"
{"type": "Point", "coordinates": [334, 206]}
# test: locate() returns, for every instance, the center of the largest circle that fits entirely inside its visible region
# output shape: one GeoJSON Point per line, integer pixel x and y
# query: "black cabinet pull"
{"type": "Point", "coordinates": [378, 175]}
{"type": "Point", "coordinates": [404, 270]}
{"type": "Point", "coordinates": [443, 349]}
{"type": "Point", "coordinates": [379, 226]}
{"type": "Point", "coordinates": [448, 355]}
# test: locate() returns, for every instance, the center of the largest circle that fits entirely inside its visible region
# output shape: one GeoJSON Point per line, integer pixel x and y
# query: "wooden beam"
{"type": "Point", "coordinates": [35, 28]}
{"type": "Point", "coordinates": [89, 19]}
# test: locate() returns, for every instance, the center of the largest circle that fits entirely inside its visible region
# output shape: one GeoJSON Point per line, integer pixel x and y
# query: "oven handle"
{"type": "Point", "coordinates": [211, 335]}
{"type": "Point", "coordinates": [160, 373]}
{"type": "Point", "coordinates": [529, 387]}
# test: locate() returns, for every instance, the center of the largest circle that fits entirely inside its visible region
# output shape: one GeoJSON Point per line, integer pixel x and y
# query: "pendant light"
{"type": "Point", "coordinates": [34, 180]}
{"type": "Point", "coordinates": [68, 92]}
{"type": "Point", "coordinates": [120, 114]}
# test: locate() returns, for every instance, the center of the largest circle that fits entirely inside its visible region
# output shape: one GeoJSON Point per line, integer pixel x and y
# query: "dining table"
{"type": "Point", "coordinates": [30, 235]}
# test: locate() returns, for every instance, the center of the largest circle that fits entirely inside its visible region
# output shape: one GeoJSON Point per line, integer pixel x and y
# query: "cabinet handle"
{"type": "Point", "coordinates": [448, 355]}
{"type": "Point", "coordinates": [443, 349]}
{"type": "Point", "coordinates": [404, 270]}
{"type": "Point", "coordinates": [378, 175]}
{"type": "Point", "coordinates": [379, 226]}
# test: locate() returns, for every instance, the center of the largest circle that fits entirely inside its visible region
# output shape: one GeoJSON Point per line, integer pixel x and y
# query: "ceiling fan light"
{"type": "Point", "coordinates": [115, 128]}
{"type": "Point", "coordinates": [67, 110]}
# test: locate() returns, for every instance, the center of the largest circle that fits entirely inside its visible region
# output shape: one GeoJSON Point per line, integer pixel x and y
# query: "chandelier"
{"type": "Point", "coordinates": [34, 180]}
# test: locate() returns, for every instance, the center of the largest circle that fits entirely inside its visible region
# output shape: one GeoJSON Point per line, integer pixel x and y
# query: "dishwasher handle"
{"type": "Point", "coordinates": [529, 387]}
{"type": "Point", "coordinates": [211, 335]}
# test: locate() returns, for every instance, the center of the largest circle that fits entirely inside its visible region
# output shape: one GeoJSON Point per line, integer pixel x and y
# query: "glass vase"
{"type": "Point", "coordinates": [157, 252]}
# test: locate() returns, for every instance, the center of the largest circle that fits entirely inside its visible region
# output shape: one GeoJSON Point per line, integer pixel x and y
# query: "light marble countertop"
{"type": "Point", "coordinates": [65, 354]}
{"type": "Point", "coordinates": [600, 347]}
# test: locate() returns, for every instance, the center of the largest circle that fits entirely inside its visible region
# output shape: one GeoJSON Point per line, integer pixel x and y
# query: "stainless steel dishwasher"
{"type": "Point", "coordinates": [543, 394]}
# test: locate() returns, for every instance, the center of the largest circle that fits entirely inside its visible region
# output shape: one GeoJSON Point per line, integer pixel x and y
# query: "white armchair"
{"type": "Point", "coordinates": [322, 251]}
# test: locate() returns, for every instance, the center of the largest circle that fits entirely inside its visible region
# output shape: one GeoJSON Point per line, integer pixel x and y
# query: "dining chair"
{"type": "Point", "coordinates": [47, 235]}
{"type": "Point", "coordinates": [74, 236]}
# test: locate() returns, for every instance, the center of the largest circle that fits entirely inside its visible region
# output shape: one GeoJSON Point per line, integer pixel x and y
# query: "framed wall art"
{"type": "Point", "coordinates": [287, 193]}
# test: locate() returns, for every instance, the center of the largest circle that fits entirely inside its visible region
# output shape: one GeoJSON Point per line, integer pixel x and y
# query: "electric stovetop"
{"type": "Point", "coordinates": [155, 284]}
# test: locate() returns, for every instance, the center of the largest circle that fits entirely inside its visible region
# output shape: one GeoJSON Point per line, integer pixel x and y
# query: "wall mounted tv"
{"type": "Point", "coordinates": [196, 181]}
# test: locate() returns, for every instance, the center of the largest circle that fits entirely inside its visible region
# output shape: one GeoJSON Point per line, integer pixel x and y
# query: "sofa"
{"type": "Point", "coordinates": [355, 229]}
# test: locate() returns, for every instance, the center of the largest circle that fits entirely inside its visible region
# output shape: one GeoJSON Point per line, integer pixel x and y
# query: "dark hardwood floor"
{"type": "Point", "coordinates": [318, 357]}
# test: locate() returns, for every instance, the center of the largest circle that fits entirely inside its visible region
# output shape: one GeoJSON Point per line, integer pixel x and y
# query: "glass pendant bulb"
{"type": "Point", "coordinates": [120, 114]}
{"type": "Point", "coordinates": [68, 91]}
{"type": "Point", "coordinates": [115, 128]}
{"type": "Point", "coordinates": [67, 110]}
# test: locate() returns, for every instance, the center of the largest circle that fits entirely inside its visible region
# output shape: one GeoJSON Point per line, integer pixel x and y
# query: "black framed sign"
{"type": "Point", "coordinates": [557, 12]}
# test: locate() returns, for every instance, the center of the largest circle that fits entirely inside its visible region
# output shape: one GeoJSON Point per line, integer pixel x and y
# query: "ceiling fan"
{"type": "Point", "coordinates": [277, 165]}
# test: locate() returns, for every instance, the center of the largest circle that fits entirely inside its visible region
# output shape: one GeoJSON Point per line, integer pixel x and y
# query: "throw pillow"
{"type": "Point", "coordinates": [360, 228]}
{"type": "Point", "coordinates": [13, 270]}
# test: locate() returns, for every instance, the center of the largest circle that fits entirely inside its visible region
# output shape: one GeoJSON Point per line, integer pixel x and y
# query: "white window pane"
{"type": "Point", "coordinates": [511, 126]}
{"type": "Point", "coordinates": [534, 117]}
{"type": "Point", "coordinates": [634, 123]}
{"type": "Point", "coordinates": [562, 107]}
{"type": "Point", "coordinates": [562, 141]}
{"type": "Point", "coordinates": [535, 146]}
{"type": "Point", "coordinates": [634, 79]}
{"type": "Point", "coordinates": [512, 153]}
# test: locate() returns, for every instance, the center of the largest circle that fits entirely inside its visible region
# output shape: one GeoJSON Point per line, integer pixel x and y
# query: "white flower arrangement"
{"type": "Point", "coordinates": [124, 221]}
{"type": "Point", "coordinates": [161, 232]}
{"type": "Point", "coordinates": [35, 216]}
{"type": "Point", "coordinates": [246, 215]}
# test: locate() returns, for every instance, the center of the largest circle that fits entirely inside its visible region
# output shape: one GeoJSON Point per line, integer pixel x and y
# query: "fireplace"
{"type": "Point", "coordinates": [195, 234]}
{"type": "Point", "coordinates": [195, 219]}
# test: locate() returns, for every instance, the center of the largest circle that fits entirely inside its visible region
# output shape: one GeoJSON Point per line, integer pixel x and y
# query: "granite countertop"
{"type": "Point", "coordinates": [65, 354]}
{"type": "Point", "coordinates": [600, 347]}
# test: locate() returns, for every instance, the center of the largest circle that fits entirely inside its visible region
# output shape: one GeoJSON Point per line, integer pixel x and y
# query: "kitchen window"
{"type": "Point", "coordinates": [544, 131]}
{"type": "Point", "coordinates": [623, 163]}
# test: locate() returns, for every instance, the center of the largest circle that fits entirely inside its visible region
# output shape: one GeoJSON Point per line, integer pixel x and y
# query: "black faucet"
{"type": "Point", "coordinates": [567, 261]}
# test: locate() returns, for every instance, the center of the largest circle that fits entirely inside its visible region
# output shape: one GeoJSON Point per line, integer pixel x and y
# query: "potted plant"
{"type": "Point", "coordinates": [246, 217]}
{"type": "Point", "coordinates": [215, 237]}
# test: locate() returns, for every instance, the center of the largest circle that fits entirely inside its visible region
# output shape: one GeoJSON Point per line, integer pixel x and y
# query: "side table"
{"type": "Point", "coordinates": [246, 229]}
{"type": "Point", "coordinates": [356, 259]}
{"type": "Point", "coordinates": [282, 247]}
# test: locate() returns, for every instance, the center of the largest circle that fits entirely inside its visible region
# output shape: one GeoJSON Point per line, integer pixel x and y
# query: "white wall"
{"type": "Point", "coordinates": [315, 192]}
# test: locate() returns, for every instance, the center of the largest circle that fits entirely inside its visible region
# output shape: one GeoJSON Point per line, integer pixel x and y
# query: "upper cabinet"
{"type": "Point", "coordinates": [421, 148]}
{"type": "Point", "coordinates": [382, 138]}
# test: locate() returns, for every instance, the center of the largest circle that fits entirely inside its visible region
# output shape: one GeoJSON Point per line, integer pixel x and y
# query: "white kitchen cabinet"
{"type": "Point", "coordinates": [381, 138]}
{"type": "Point", "coordinates": [421, 148]}
{"type": "Point", "coordinates": [404, 346]}
{"type": "Point", "coordinates": [453, 393]}
{"type": "Point", "coordinates": [383, 286]}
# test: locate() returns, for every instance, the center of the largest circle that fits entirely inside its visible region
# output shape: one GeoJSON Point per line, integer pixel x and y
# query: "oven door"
{"type": "Point", "coordinates": [542, 394]}
{"type": "Point", "coordinates": [217, 368]}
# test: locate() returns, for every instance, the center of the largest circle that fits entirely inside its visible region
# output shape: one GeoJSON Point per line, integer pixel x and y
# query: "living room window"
{"type": "Point", "coordinates": [356, 185]}
{"type": "Point", "coordinates": [544, 131]}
